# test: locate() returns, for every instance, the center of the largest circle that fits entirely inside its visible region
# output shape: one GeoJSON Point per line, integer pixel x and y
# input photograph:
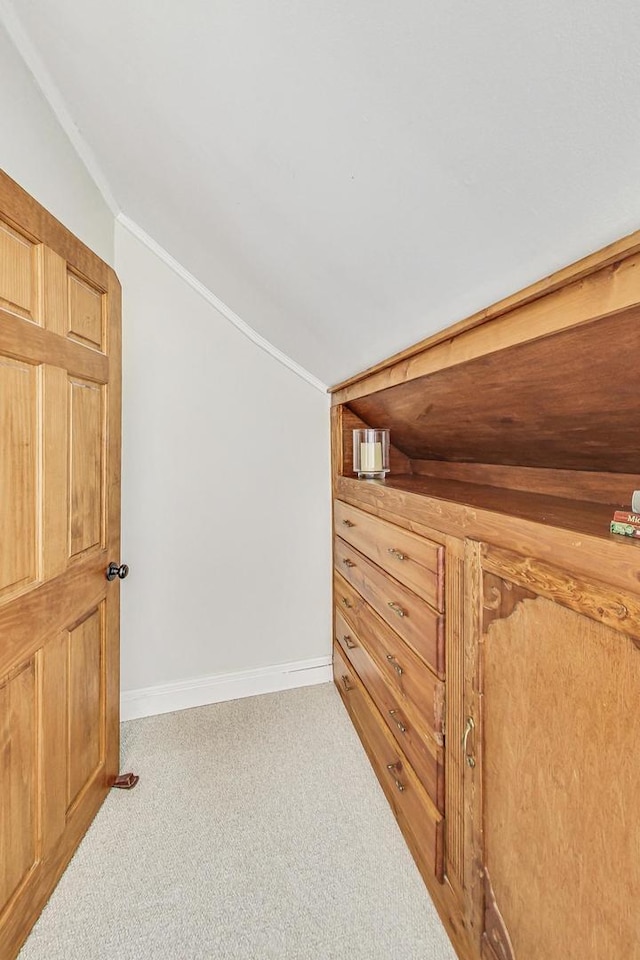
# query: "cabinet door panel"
{"type": "Point", "coordinates": [556, 782]}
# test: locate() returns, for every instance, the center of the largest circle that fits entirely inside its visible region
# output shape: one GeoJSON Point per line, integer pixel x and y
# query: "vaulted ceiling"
{"type": "Point", "coordinates": [349, 176]}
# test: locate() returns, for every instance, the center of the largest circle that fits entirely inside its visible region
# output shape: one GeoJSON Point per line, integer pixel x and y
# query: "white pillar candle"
{"type": "Point", "coordinates": [371, 457]}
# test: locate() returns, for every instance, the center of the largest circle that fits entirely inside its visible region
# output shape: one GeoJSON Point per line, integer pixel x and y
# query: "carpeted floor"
{"type": "Point", "coordinates": [257, 832]}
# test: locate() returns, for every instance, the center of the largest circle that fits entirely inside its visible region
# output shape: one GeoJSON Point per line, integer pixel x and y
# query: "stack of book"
{"type": "Point", "coordinates": [625, 524]}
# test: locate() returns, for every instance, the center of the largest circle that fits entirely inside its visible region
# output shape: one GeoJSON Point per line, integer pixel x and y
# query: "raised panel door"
{"type": "Point", "coordinates": [60, 522]}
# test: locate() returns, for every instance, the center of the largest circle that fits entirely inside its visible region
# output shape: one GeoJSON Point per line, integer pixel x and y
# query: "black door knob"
{"type": "Point", "coordinates": [113, 571]}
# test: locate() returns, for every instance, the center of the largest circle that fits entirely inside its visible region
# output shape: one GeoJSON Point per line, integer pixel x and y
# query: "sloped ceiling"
{"type": "Point", "coordinates": [349, 177]}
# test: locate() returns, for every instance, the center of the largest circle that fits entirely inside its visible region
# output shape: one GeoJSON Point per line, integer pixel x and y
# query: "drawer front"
{"type": "Point", "coordinates": [425, 756]}
{"type": "Point", "coordinates": [413, 683]}
{"type": "Point", "coordinates": [346, 599]}
{"type": "Point", "coordinates": [415, 812]}
{"type": "Point", "coordinates": [414, 561]}
{"type": "Point", "coordinates": [413, 619]}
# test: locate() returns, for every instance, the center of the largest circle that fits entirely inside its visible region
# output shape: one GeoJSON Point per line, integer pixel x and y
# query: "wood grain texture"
{"type": "Point", "coordinates": [515, 448]}
{"type": "Point", "coordinates": [414, 810]}
{"type": "Point", "coordinates": [337, 465]}
{"type": "Point", "coordinates": [412, 619]}
{"type": "Point", "coordinates": [28, 620]}
{"type": "Point", "coordinates": [414, 685]}
{"type": "Point", "coordinates": [60, 475]}
{"type": "Point", "coordinates": [544, 403]}
{"type": "Point", "coordinates": [561, 839]}
{"type": "Point", "coordinates": [54, 291]}
{"type": "Point", "coordinates": [584, 485]}
{"type": "Point", "coordinates": [41, 881]}
{"type": "Point", "coordinates": [496, 940]}
{"type": "Point", "coordinates": [603, 293]}
{"type": "Point", "coordinates": [565, 534]}
{"type": "Point", "coordinates": [608, 257]}
{"type": "Point", "coordinates": [111, 610]}
{"type": "Point", "coordinates": [454, 761]}
{"type": "Point", "coordinates": [86, 312]}
{"type": "Point", "coordinates": [500, 598]}
{"type": "Point", "coordinates": [86, 469]}
{"type": "Point", "coordinates": [19, 274]}
{"type": "Point", "coordinates": [402, 718]}
{"type": "Point", "coordinates": [443, 896]}
{"type": "Point", "coordinates": [85, 720]}
{"type": "Point", "coordinates": [24, 214]}
{"type": "Point", "coordinates": [594, 599]}
{"type": "Point", "coordinates": [54, 721]}
{"type": "Point", "coordinates": [19, 746]}
{"type": "Point", "coordinates": [20, 389]}
{"type": "Point", "coordinates": [55, 470]}
{"type": "Point", "coordinates": [416, 562]}
{"type": "Point", "coordinates": [474, 860]}
{"type": "Point", "coordinates": [25, 341]}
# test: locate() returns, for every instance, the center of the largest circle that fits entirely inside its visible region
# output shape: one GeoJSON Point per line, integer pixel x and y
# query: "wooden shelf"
{"type": "Point", "coordinates": [512, 518]}
{"type": "Point", "coordinates": [575, 515]}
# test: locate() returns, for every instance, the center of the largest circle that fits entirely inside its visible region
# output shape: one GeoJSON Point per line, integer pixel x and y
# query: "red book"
{"type": "Point", "coordinates": [621, 516]}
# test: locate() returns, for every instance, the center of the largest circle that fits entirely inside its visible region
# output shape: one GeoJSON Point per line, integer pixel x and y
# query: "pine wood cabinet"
{"type": "Point", "coordinates": [487, 624]}
{"type": "Point", "coordinates": [554, 692]}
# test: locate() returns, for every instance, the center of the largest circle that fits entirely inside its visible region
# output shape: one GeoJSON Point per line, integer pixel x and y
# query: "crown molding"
{"type": "Point", "coordinates": [136, 230]}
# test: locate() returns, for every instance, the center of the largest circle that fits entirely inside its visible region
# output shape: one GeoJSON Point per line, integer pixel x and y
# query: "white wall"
{"type": "Point", "coordinates": [225, 492]}
{"type": "Point", "coordinates": [35, 152]}
{"type": "Point", "coordinates": [225, 459]}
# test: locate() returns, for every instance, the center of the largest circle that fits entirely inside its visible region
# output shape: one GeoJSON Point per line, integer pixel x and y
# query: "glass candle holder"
{"type": "Point", "coordinates": [371, 453]}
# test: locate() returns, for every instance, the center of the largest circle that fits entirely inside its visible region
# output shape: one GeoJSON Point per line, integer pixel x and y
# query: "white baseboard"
{"type": "Point", "coordinates": [168, 697]}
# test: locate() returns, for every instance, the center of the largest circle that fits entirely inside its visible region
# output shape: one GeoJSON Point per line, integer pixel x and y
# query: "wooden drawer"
{"type": "Point", "coordinates": [419, 820]}
{"type": "Point", "coordinates": [414, 561]}
{"type": "Point", "coordinates": [425, 756]}
{"type": "Point", "coordinates": [413, 619]}
{"type": "Point", "coordinates": [413, 683]}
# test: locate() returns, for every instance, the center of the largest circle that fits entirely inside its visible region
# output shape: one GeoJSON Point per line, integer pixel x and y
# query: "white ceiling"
{"type": "Point", "coordinates": [349, 177]}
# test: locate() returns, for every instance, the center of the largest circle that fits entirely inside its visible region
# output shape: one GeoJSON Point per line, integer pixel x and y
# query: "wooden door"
{"type": "Point", "coordinates": [60, 527]}
{"type": "Point", "coordinates": [555, 678]}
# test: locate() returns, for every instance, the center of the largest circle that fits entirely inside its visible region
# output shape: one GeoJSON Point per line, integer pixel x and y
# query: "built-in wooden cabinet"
{"type": "Point", "coordinates": [555, 697]}
{"type": "Point", "coordinates": [487, 623]}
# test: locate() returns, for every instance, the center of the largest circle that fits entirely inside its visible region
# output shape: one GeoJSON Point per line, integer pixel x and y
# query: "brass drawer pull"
{"type": "Point", "coordinates": [348, 642]}
{"type": "Point", "coordinates": [347, 603]}
{"type": "Point", "coordinates": [471, 760]}
{"type": "Point", "coordinates": [345, 683]}
{"type": "Point", "coordinates": [399, 724]}
{"type": "Point", "coordinates": [393, 768]}
{"type": "Point", "coordinates": [396, 553]}
{"type": "Point", "coordinates": [396, 666]}
{"type": "Point", "coordinates": [397, 609]}
{"type": "Point", "coordinates": [348, 563]}
{"type": "Point", "coordinates": [396, 768]}
{"type": "Point", "coordinates": [348, 523]}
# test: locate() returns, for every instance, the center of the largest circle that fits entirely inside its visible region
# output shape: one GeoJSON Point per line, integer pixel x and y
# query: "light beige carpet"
{"type": "Point", "coordinates": [258, 831]}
